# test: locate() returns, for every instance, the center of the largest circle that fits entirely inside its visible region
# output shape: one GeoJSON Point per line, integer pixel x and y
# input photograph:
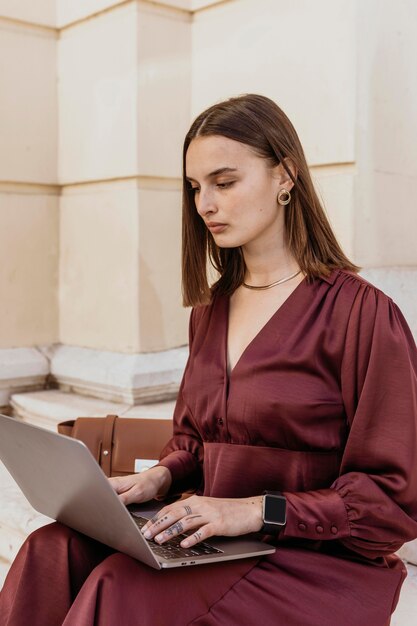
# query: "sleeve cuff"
{"type": "Point", "coordinates": [185, 471]}
{"type": "Point", "coordinates": [316, 515]}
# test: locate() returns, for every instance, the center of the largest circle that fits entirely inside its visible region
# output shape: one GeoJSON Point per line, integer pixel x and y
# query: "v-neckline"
{"type": "Point", "coordinates": [276, 313]}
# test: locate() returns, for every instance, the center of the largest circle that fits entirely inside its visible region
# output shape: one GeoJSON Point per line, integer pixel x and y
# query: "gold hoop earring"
{"type": "Point", "coordinates": [283, 201]}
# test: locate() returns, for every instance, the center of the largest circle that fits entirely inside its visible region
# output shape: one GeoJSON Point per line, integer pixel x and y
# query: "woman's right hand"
{"type": "Point", "coordinates": [135, 488]}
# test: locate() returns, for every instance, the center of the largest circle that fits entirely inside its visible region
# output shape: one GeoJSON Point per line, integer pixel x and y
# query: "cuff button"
{"type": "Point", "coordinates": [302, 526]}
{"type": "Point", "coordinates": [333, 530]}
{"type": "Point", "coordinates": [319, 528]}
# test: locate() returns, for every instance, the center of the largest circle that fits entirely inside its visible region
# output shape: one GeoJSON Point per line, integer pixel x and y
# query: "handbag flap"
{"type": "Point", "coordinates": [138, 439]}
{"type": "Point", "coordinates": [132, 439]}
{"type": "Point", "coordinates": [90, 431]}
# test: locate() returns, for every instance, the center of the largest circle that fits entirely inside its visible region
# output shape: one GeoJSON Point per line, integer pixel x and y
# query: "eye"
{"type": "Point", "coordinates": [225, 185]}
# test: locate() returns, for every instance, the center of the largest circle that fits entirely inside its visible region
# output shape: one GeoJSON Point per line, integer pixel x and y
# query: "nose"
{"type": "Point", "coordinates": [204, 202]}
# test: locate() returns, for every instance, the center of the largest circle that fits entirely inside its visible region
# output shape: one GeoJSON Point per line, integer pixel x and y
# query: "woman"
{"type": "Point", "coordinates": [301, 378]}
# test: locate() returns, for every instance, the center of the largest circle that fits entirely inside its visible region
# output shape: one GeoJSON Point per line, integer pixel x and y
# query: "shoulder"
{"type": "Point", "coordinates": [352, 282]}
{"type": "Point", "coordinates": [200, 316]}
{"type": "Point", "coordinates": [199, 312]}
{"type": "Point", "coordinates": [354, 304]}
{"type": "Point", "coordinates": [369, 310]}
{"type": "Point", "coordinates": [352, 289]}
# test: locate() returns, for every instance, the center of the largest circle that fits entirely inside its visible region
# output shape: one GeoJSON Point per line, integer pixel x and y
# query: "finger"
{"type": "Point", "coordinates": [181, 526]}
{"type": "Point", "coordinates": [114, 482]}
{"type": "Point", "coordinates": [166, 516]}
{"type": "Point", "coordinates": [118, 484]}
{"type": "Point", "coordinates": [129, 497]}
{"type": "Point", "coordinates": [199, 535]}
{"type": "Point", "coordinates": [159, 514]}
{"type": "Point", "coordinates": [159, 519]}
{"type": "Point", "coordinates": [131, 493]}
{"type": "Point", "coordinates": [168, 533]}
{"type": "Point", "coordinates": [122, 484]}
{"type": "Point", "coordinates": [156, 525]}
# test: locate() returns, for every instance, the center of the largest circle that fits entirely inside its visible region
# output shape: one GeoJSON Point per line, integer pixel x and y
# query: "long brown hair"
{"type": "Point", "coordinates": [258, 122]}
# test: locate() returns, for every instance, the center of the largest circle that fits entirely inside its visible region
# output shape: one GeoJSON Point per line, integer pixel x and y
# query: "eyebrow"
{"type": "Point", "coordinates": [221, 170]}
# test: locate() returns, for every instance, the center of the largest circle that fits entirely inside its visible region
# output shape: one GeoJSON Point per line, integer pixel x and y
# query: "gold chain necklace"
{"type": "Point", "coordinates": [278, 282]}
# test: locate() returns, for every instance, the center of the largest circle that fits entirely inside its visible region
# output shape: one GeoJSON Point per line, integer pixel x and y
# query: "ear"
{"type": "Point", "coordinates": [282, 176]}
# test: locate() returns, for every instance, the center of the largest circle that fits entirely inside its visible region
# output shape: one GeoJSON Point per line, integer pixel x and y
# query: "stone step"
{"type": "Point", "coordinates": [406, 611]}
{"type": "Point", "coordinates": [49, 407]}
{"type": "Point", "coordinates": [4, 568]}
{"type": "Point", "coordinates": [17, 517]}
{"type": "Point", "coordinates": [117, 377]}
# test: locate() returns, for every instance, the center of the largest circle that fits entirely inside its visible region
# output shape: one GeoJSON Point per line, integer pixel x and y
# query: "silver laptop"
{"type": "Point", "coordinates": [61, 479]}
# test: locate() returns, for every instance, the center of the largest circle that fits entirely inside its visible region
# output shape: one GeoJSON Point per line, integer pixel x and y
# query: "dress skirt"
{"type": "Point", "coordinates": [63, 577]}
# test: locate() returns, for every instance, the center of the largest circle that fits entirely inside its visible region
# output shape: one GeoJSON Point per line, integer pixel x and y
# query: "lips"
{"type": "Point", "coordinates": [216, 227]}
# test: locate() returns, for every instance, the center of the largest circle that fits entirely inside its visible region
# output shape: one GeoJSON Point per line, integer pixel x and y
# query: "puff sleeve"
{"type": "Point", "coordinates": [183, 454]}
{"type": "Point", "coordinates": [371, 508]}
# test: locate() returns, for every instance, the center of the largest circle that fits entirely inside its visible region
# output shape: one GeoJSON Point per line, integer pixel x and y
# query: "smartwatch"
{"type": "Point", "coordinates": [274, 512]}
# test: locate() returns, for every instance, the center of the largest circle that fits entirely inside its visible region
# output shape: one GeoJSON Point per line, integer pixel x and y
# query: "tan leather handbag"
{"type": "Point", "coordinates": [119, 443]}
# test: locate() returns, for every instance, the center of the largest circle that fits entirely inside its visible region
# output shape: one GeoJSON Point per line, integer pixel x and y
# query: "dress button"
{"type": "Point", "coordinates": [302, 526]}
{"type": "Point", "coordinates": [319, 528]}
{"type": "Point", "coordinates": [333, 529]}
{"type": "Point", "coordinates": [220, 421]}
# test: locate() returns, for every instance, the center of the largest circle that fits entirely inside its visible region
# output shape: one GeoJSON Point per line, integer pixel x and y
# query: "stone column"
{"type": "Point", "coordinates": [29, 194]}
{"type": "Point", "coordinates": [93, 158]}
{"type": "Point", "coordinates": [124, 102]}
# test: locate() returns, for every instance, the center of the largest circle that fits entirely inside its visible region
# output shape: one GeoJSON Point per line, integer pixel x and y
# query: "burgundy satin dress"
{"type": "Point", "coordinates": [322, 405]}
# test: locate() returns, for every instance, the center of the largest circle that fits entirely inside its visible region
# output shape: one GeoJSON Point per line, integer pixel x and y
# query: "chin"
{"type": "Point", "coordinates": [224, 244]}
{"type": "Point", "coordinates": [228, 246]}
{"type": "Point", "coordinates": [223, 241]}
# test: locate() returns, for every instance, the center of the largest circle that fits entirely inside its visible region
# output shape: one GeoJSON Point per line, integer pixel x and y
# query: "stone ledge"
{"type": "Point", "coordinates": [125, 378]}
{"type": "Point", "coordinates": [408, 552]}
{"type": "Point", "coordinates": [47, 408]}
{"type": "Point", "coordinates": [21, 369]}
{"type": "Point", "coordinates": [4, 568]}
{"type": "Point", "coordinates": [405, 613]}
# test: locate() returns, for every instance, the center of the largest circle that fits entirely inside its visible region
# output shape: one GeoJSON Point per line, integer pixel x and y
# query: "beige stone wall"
{"type": "Point", "coordinates": [120, 266]}
{"type": "Point", "coordinates": [94, 106]}
{"type": "Point", "coordinates": [386, 127]}
{"type": "Point", "coordinates": [302, 55]}
{"type": "Point", "coordinates": [70, 11]}
{"type": "Point", "coordinates": [41, 12]}
{"type": "Point", "coordinates": [28, 175]}
{"type": "Point", "coordinates": [124, 109]}
{"type": "Point", "coordinates": [28, 267]}
{"type": "Point", "coordinates": [346, 77]}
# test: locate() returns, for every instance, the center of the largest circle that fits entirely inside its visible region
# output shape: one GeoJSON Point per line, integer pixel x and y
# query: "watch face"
{"type": "Point", "coordinates": [274, 510]}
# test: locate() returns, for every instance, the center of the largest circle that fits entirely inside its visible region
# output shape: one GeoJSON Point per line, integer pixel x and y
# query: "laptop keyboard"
{"type": "Point", "coordinates": [172, 549]}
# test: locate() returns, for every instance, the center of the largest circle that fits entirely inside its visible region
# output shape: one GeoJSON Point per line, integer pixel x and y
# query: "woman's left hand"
{"type": "Point", "coordinates": [226, 517]}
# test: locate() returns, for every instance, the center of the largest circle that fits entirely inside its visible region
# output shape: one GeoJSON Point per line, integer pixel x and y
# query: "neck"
{"type": "Point", "coordinates": [268, 263]}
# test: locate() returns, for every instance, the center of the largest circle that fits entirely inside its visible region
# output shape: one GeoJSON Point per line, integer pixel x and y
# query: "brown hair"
{"type": "Point", "coordinates": [258, 122]}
